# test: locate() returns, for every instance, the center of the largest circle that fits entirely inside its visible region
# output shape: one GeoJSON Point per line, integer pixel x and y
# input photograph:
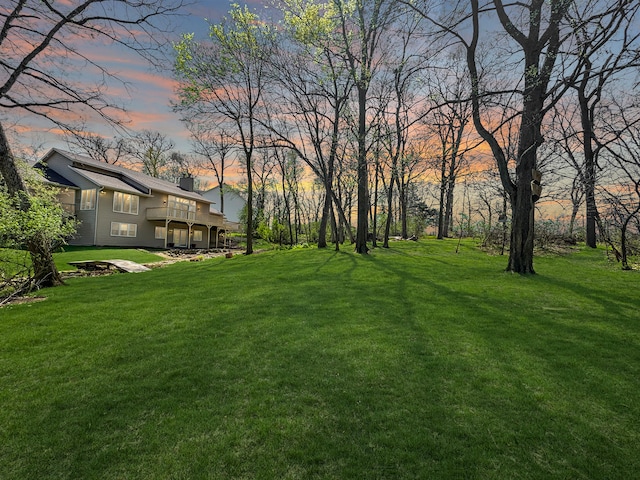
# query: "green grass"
{"type": "Point", "coordinates": [412, 362]}
{"type": "Point", "coordinates": [73, 253]}
{"type": "Point", "coordinates": [11, 260]}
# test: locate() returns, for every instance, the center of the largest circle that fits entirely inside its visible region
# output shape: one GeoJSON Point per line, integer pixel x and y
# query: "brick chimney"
{"type": "Point", "coordinates": [186, 183]}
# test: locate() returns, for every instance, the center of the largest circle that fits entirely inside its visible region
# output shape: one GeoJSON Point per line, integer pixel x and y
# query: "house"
{"type": "Point", "coordinates": [234, 204]}
{"type": "Point", "coordinates": [116, 206]}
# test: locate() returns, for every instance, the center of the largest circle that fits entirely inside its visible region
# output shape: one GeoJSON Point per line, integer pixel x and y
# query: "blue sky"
{"type": "Point", "coordinates": [147, 93]}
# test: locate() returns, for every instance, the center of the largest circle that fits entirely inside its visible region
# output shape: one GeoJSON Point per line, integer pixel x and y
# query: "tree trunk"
{"type": "Point", "coordinates": [324, 221]}
{"type": "Point", "coordinates": [336, 231]}
{"type": "Point", "coordinates": [249, 204]}
{"type": "Point", "coordinates": [590, 201]}
{"type": "Point", "coordinates": [362, 225]}
{"type": "Point", "coordinates": [522, 206]}
{"type": "Point", "coordinates": [448, 211]}
{"type": "Point", "coordinates": [222, 196]}
{"type": "Point", "coordinates": [328, 182]}
{"type": "Point", "coordinates": [374, 220]}
{"type": "Point", "coordinates": [403, 196]}
{"type": "Point", "coordinates": [443, 190]}
{"type": "Point", "coordinates": [387, 227]}
{"type": "Point", "coordinates": [44, 268]}
{"type": "Point", "coordinates": [589, 162]}
{"type": "Point", "coordinates": [572, 222]}
{"type": "Point", "coordinates": [623, 244]}
{"type": "Point", "coordinates": [521, 246]}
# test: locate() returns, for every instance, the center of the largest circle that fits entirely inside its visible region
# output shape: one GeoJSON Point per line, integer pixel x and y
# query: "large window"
{"type": "Point", "coordinates": [181, 208]}
{"type": "Point", "coordinates": [123, 229]}
{"type": "Point", "coordinates": [88, 199]}
{"type": "Point", "coordinates": [125, 203]}
{"type": "Point", "coordinates": [197, 235]}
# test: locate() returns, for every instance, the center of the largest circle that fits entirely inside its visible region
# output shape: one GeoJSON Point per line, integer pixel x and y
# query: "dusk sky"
{"type": "Point", "coordinates": [147, 93]}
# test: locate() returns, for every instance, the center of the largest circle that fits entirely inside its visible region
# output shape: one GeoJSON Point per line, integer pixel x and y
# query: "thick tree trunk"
{"type": "Point", "coordinates": [590, 202]}
{"type": "Point", "coordinates": [589, 163]}
{"type": "Point", "coordinates": [522, 203]}
{"type": "Point", "coordinates": [362, 224]}
{"type": "Point", "coordinates": [522, 232]}
{"type": "Point", "coordinates": [45, 272]}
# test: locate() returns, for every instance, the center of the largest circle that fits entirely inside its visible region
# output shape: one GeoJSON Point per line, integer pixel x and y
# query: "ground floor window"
{"type": "Point", "coordinates": [160, 233]}
{"type": "Point", "coordinates": [123, 229]}
{"type": "Point", "coordinates": [197, 235]}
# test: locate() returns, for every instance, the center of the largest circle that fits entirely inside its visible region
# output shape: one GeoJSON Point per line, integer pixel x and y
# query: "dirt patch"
{"type": "Point", "coordinates": [20, 300]}
{"type": "Point", "coordinates": [173, 256]}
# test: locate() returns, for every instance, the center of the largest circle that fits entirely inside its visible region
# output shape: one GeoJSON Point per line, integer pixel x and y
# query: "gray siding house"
{"type": "Point", "coordinates": [234, 204]}
{"type": "Point", "coordinates": [120, 207]}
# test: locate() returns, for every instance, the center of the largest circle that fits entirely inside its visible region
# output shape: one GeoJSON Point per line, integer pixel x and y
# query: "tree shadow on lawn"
{"type": "Point", "coordinates": [435, 385]}
{"type": "Point", "coordinates": [189, 392]}
{"type": "Point", "coordinates": [570, 379]}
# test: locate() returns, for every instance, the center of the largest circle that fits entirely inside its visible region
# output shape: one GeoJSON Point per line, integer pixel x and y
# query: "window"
{"type": "Point", "coordinates": [160, 233]}
{"type": "Point", "coordinates": [197, 235]}
{"type": "Point", "coordinates": [181, 208]}
{"type": "Point", "coordinates": [123, 229]}
{"type": "Point", "coordinates": [88, 199]}
{"type": "Point", "coordinates": [125, 203]}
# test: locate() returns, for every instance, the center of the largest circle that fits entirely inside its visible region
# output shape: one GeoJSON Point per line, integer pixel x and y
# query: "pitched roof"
{"type": "Point", "coordinates": [109, 181]}
{"type": "Point", "coordinates": [52, 177]}
{"type": "Point", "coordinates": [120, 178]}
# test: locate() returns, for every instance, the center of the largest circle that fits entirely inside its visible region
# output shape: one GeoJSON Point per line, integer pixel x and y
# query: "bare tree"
{"type": "Point", "coordinates": [401, 107]}
{"type": "Point", "coordinates": [624, 156]}
{"type": "Point", "coordinates": [607, 45]}
{"type": "Point", "coordinates": [215, 145]}
{"type": "Point", "coordinates": [316, 85]}
{"type": "Point", "coordinates": [535, 36]}
{"type": "Point", "coordinates": [563, 148]}
{"type": "Point", "coordinates": [181, 165]}
{"type": "Point", "coordinates": [449, 123]}
{"type": "Point", "coordinates": [226, 80]}
{"type": "Point", "coordinates": [98, 147]}
{"type": "Point", "coordinates": [151, 150]}
{"type": "Point", "coordinates": [40, 48]}
{"type": "Point", "coordinates": [364, 27]}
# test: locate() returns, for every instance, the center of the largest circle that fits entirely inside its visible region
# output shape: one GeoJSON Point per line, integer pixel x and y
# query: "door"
{"type": "Point", "coordinates": [180, 237]}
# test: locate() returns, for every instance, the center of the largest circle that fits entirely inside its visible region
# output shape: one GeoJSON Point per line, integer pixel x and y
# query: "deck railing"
{"type": "Point", "coordinates": [180, 215]}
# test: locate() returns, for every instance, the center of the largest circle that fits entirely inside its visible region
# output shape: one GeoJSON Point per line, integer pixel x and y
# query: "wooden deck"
{"type": "Point", "coordinates": [120, 265]}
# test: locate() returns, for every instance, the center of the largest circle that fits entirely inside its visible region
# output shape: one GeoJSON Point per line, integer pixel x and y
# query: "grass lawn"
{"type": "Point", "coordinates": [73, 253]}
{"type": "Point", "coordinates": [11, 260]}
{"type": "Point", "coordinates": [408, 363]}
